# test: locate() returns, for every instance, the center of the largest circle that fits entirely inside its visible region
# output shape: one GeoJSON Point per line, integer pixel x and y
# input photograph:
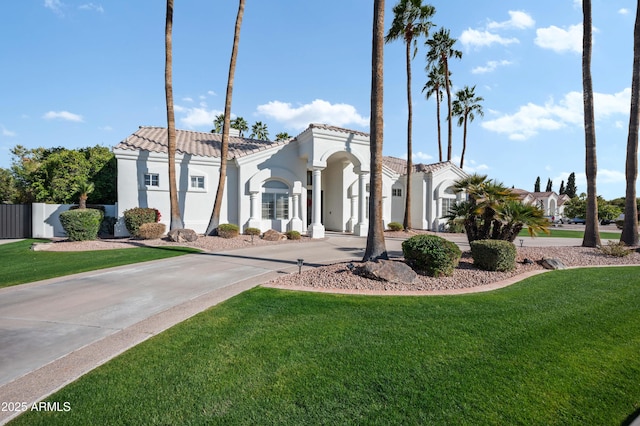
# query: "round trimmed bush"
{"type": "Point", "coordinates": [395, 226]}
{"type": "Point", "coordinates": [151, 231]}
{"type": "Point", "coordinates": [493, 255]}
{"type": "Point", "coordinates": [228, 230]}
{"type": "Point", "coordinates": [431, 254]}
{"type": "Point", "coordinates": [252, 231]}
{"type": "Point", "coordinates": [293, 235]}
{"type": "Point", "coordinates": [81, 224]}
{"type": "Point", "coordinates": [136, 216]}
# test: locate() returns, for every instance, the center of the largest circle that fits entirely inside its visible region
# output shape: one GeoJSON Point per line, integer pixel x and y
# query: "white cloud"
{"type": "Point", "coordinates": [91, 6]}
{"type": "Point", "coordinates": [7, 132]}
{"type": "Point", "coordinates": [478, 38]}
{"type": "Point", "coordinates": [318, 111]}
{"type": "Point", "coordinates": [54, 5]}
{"type": "Point", "coordinates": [532, 118]}
{"type": "Point", "coordinates": [187, 99]}
{"type": "Point", "coordinates": [63, 115]}
{"type": "Point", "coordinates": [560, 40]}
{"type": "Point", "coordinates": [421, 156]}
{"type": "Point", "coordinates": [106, 128]}
{"type": "Point", "coordinates": [211, 93]}
{"type": "Point", "coordinates": [490, 66]}
{"type": "Point", "coordinates": [519, 20]}
{"type": "Point", "coordinates": [197, 117]}
{"type": "Point", "coordinates": [470, 166]}
{"type": "Point", "coordinates": [623, 11]}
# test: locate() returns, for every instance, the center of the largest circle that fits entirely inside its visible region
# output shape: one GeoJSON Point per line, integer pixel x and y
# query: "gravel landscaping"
{"type": "Point", "coordinates": [340, 277]}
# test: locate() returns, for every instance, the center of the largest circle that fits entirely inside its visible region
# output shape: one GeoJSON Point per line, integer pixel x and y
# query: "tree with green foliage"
{"type": "Point", "coordinates": [218, 122]}
{"type": "Point", "coordinates": [577, 207]}
{"type": "Point", "coordinates": [536, 186]}
{"type": "Point", "coordinates": [465, 107]}
{"type": "Point", "coordinates": [50, 175]}
{"type": "Point", "coordinates": [259, 131]}
{"type": "Point", "coordinates": [561, 190]}
{"type": "Point", "coordinates": [571, 190]}
{"type": "Point", "coordinates": [549, 185]}
{"type": "Point", "coordinates": [434, 86]}
{"type": "Point", "coordinates": [440, 51]}
{"type": "Point", "coordinates": [411, 20]}
{"type": "Point", "coordinates": [240, 124]}
{"type": "Point", "coordinates": [282, 136]}
{"type": "Point", "coordinates": [8, 192]}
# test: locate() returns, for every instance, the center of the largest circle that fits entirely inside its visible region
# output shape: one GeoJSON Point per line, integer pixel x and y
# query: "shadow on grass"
{"type": "Point", "coordinates": [633, 416]}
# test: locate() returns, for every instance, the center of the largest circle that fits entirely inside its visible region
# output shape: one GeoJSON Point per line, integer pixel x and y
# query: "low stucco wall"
{"type": "Point", "coordinates": [45, 219]}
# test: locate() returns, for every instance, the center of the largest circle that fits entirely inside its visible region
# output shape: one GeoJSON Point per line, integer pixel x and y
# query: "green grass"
{"type": "Point", "coordinates": [568, 233]}
{"type": "Point", "coordinates": [21, 265]}
{"type": "Point", "coordinates": [556, 349]}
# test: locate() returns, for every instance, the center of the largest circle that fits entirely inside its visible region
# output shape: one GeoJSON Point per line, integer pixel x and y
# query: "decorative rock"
{"type": "Point", "coordinates": [385, 270]}
{"type": "Point", "coordinates": [553, 264]}
{"type": "Point", "coordinates": [182, 235]}
{"type": "Point", "coordinates": [272, 235]}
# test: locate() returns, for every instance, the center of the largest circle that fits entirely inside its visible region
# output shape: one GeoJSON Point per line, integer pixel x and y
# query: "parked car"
{"type": "Point", "coordinates": [577, 220]}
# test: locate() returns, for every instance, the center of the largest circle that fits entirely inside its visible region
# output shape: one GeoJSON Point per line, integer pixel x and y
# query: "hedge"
{"type": "Point", "coordinates": [493, 255]}
{"type": "Point", "coordinates": [431, 254]}
{"type": "Point", "coordinates": [81, 224]}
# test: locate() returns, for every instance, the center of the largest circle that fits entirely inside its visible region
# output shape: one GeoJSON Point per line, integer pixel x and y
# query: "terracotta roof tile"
{"type": "Point", "coordinates": [399, 165]}
{"type": "Point", "coordinates": [202, 144]}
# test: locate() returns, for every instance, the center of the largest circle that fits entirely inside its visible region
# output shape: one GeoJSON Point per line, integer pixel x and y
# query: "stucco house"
{"type": "Point", "coordinates": [551, 203]}
{"type": "Point", "coordinates": [312, 183]}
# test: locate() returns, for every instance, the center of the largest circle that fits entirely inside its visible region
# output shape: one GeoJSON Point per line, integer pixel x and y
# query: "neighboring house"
{"type": "Point", "coordinates": [310, 183]}
{"type": "Point", "coordinates": [551, 203]}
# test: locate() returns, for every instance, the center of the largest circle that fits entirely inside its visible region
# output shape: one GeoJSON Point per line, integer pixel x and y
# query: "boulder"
{"type": "Point", "coordinates": [182, 235]}
{"type": "Point", "coordinates": [553, 264]}
{"type": "Point", "coordinates": [390, 271]}
{"type": "Point", "coordinates": [272, 235]}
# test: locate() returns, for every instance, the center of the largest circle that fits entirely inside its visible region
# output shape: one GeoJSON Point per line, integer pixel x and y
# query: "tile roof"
{"type": "Point", "coordinates": [399, 165]}
{"type": "Point", "coordinates": [202, 144]}
{"type": "Point", "coordinates": [336, 129]}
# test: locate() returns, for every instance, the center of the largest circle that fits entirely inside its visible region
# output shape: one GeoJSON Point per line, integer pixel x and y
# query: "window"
{"type": "Point", "coordinates": [197, 182]}
{"type": "Point", "coordinates": [447, 204]}
{"type": "Point", "coordinates": [396, 192]}
{"type": "Point", "coordinates": [275, 200]}
{"type": "Point", "coordinates": [151, 179]}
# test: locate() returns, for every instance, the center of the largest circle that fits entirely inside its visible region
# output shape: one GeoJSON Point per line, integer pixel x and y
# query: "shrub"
{"type": "Point", "coordinates": [136, 216]}
{"type": "Point", "coordinates": [432, 254]}
{"type": "Point", "coordinates": [81, 224]}
{"type": "Point", "coordinates": [107, 225]}
{"type": "Point", "coordinates": [493, 255]}
{"type": "Point", "coordinates": [395, 226]}
{"type": "Point", "coordinates": [252, 231]}
{"type": "Point", "coordinates": [151, 231]}
{"type": "Point", "coordinates": [228, 230]}
{"type": "Point", "coordinates": [293, 235]}
{"type": "Point", "coordinates": [615, 248]}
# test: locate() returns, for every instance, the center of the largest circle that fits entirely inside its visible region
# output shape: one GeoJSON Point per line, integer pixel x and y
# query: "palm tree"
{"type": "Point", "coordinates": [591, 231]}
{"type": "Point", "coordinates": [630, 226]}
{"type": "Point", "coordinates": [224, 148]}
{"type": "Point", "coordinates": [411, 20]}
{"type": "Point", "coordinates": [176, 219]}
{"type": "Point", "coordinates": [259, 131]}
{"type": "Point", "coordinates": [218, 123]}
{"type": "Point", "coordinates": [440, 50]}
{"type": "Point", "coordinates": [376, 248]}
{"type": "Point", "coordinates": [465, 106]}
{"type": "Point", "coordinates": [434, 86]}
{"type": "Point", "coordinates": [84, 188]}
{"type": "Point", "coordinates": [282, 136]}
{"type": "Point", "coordinates": [239, 123]}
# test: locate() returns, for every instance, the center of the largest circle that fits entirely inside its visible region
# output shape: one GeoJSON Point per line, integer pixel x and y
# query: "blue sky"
{"type": "Point", "coordinates": [79, 73]}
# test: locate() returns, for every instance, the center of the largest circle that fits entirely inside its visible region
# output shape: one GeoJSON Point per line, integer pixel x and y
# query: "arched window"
{"type": "Point", "coordinates": [448, 200]}
{"type": "Point", "coordinates": [275, 200]}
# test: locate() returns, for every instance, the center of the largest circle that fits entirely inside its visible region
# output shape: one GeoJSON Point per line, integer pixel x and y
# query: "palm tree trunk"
{"type": "Point", "coordinates": [439, 100]}
{"type": "Point", "coordinates": [407, 206]}
{"type": "Point", "coordinates": [376, 248]}
{"type": "Point", "coordinates": [176, 219]}
{"type": "Point", "coordinates": [591, 232]}
{"type": "Point", "coordinates": [224, 149]}
{"type": "Point", "coordinates": [630, 227]}
{"type": "Point", "coordinates": [450, 128]}
{"type": "Point", "coordinates": [464, 140]}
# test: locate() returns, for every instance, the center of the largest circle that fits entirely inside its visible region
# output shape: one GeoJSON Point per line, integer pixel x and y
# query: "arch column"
{"type": "Point", "coordinates": [295, 224]}
{"type": "Point", "coordinates": [316, 230]}
{"type": "Point", "coordinates": [362, 227]}
{"type": "Point", "coordinates": [255, 221]}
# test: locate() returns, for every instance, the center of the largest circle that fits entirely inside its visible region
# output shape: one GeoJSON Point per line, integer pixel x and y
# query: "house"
{"type": "Point", "coordinates": [551, 203]}
{"type": "Point", "coordinates": [312, 183]}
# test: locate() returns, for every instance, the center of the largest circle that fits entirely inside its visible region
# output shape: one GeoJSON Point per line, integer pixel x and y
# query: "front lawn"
{"type": "Point", "coordinates": [559, 348]}
{"type": "Point", "coordinates": [22, 265]}
{"type": "Point", "coordinates": [568, 233]}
